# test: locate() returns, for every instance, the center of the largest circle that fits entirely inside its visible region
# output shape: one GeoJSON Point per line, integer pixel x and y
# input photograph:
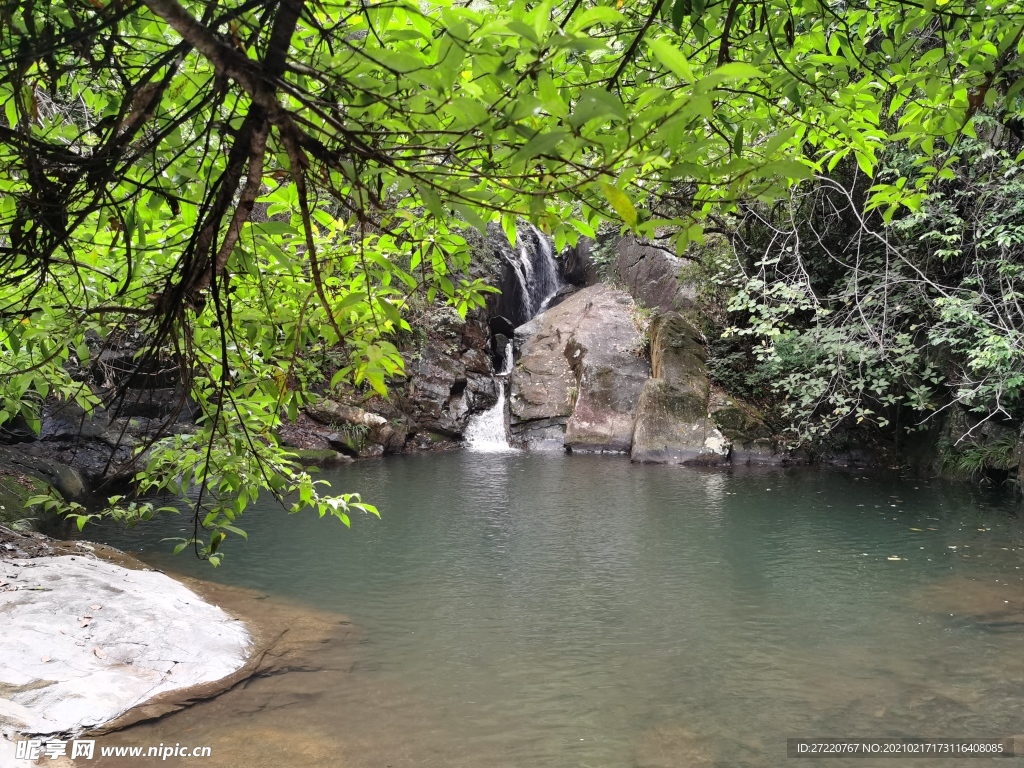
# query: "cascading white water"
{"type": "Point", "coordinates": [535, 270]}
{"type": "Point", "coordinates": [533, 262]}
{"type": "Point", "coordinates": [486, 431]}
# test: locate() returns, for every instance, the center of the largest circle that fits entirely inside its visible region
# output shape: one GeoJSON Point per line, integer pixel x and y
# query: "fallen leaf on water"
{"type": "Point", "coordinates": [100, 653]}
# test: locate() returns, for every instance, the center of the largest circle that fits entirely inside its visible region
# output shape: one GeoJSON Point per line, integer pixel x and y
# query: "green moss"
{"type": "Point", "coordinates": [15, 489]}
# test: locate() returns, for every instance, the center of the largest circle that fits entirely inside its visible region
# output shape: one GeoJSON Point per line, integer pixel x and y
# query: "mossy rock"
{"type": "Point", "coordinates": [320, 457]}
{"type": "Point", "coordinates": [15, 489]}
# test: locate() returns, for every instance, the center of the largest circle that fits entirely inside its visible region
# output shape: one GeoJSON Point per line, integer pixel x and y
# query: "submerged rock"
{"type": "Point", "coordinates": [579, 376]}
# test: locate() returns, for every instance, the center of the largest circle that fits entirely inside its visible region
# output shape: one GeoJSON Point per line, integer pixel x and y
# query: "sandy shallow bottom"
{"type": "Point", "coordinates": [308, 705]}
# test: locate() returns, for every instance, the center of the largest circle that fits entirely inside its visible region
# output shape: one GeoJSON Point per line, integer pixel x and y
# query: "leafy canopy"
{"type": "Point", "coordinates": [248, 185]}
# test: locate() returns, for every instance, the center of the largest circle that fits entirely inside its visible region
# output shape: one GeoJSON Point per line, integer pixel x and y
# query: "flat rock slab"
{"type": "Point", "coordinates": [83, 640]}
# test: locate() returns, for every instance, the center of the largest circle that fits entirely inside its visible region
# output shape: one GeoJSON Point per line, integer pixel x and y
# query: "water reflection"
{"type": "Point", "coordinates": [544, 611]}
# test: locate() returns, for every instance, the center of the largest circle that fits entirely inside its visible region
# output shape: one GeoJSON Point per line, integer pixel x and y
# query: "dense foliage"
{"type": "Point", "coordinates": [240, 184]}
{"type": "Point", "coordinates": [859, 320]}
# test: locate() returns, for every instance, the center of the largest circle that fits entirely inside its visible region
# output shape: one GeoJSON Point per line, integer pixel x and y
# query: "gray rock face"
{"type": "Point", "coordinates": [651, 274]}
{"type": "Point", "coordinates": [577, 264]}
{"type": "Point", "coordinates": [579, 376]}
{"type": "Point", "coordinates": [80, 453]}
{"type": "Point", "coordinates": [673, 425]}
{"type": "Point", "coordinates": [682, 420]}
{"type": "Point", "coordinates": [449, 377]}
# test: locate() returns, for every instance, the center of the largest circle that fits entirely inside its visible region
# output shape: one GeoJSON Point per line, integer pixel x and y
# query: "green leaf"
{"type": "Point", "coordinates": [680, 10]}
{"type": "Point", "coordinates": [540, 144]}
{"type": "Point", "coordinates": [399, 62]}
{"type": "Point", "coordinates": [601, 14]}
{"type": "Point", "coordinates": [671, 58]}
{"type": "Point", "coordinates": [620, 203]}
{"type": "Point", "coordinates": [739, 70]}
{"type": "Point", "coordinates": [594, 103]}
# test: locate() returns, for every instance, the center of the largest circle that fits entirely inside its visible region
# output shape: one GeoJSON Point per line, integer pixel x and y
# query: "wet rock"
{"type": "Point", "coordinates": [562, 294]}
{"type": "Point", "coordinates": [673, 425]}
{"type": "Point", "coordinates": [849, 448]}
{"type": "Point", "coordinates": [502, 325]}
{"type": "Point", "coordinates": [744, 427]}
{"type": "Point", "coordinates": [500, 343]}
{"type": "Point", "coordinates": [448, 375]}
{"type": "Point", "coordinates": [580, 366]}
{"type": "Point", "coordinates": [16, 430]}
{"type": "Point", "coordinates": [67, 481]}
{"type": "Point", "coordinates": [651, 274]}
{"type": "Point", "coordinates": [528, 271]}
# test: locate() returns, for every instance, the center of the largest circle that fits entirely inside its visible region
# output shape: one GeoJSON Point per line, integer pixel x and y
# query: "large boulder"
{"type": "Point", "coordinates": [86, 640]}
{"type": "Point", "coordinates": [580, 372]}
{"type": "Point", "coordinates": [24, 471]}
{"type": "Point", "coordinates": [651, 273]}
{"type": "Point", "coordinates": [673, 425]}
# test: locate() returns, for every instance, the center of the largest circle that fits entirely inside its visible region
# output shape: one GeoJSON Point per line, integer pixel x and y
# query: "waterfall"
{"type": "Point", "coordinates": [535, 269]}
{"type": "Point", "coordinates": [536, 282]}
{"type": "Point", "coordinates": [531, 274]}
{"type": "Point", "coordinates": [486, 431]}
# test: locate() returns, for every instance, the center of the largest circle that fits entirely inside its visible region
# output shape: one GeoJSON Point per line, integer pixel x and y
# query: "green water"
{"type": "Point", "coordinates": [537, 611]}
